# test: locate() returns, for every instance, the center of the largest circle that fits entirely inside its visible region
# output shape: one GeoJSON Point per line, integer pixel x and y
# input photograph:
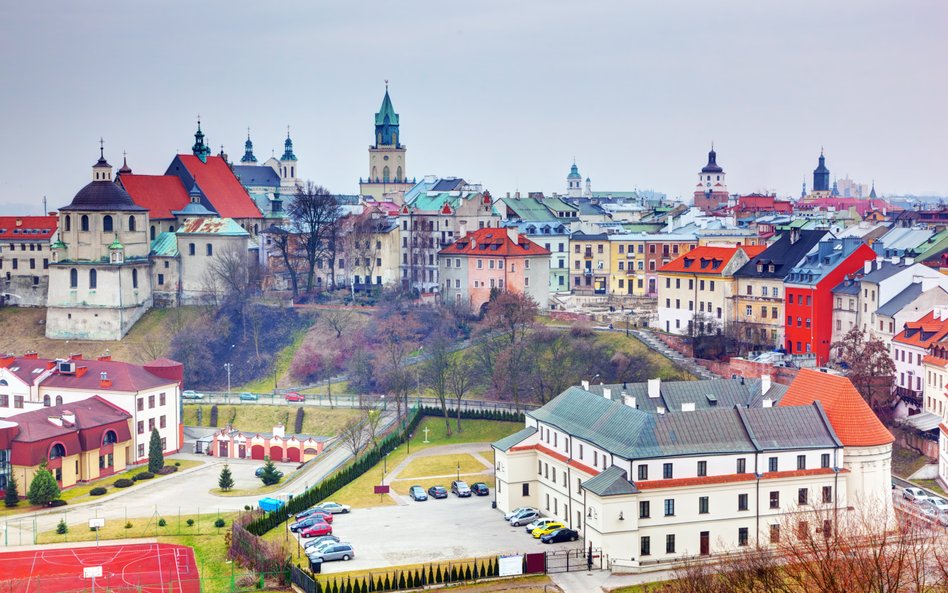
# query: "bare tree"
{"type": "Point", "coordinates": [313, 214]}
{"type": "Point", "coordinates": [236, 274]}
{"type": "Point", "coordinates": [460, 380]}
{"type": "Point", "coordinates": [372, 417]}
{"type": "Point", "coordinates": [870, 368]}
{"type": "Point", "coordinates": [363, 246]}
{"type": "Point", "coordinates": [512, 314]}
{"type": "Point", "coordinates": [285, 245]}
{"type": "Point", "coordinates": [354, 435]}
{"type": "Point", "coordinates": [436, 373]}
{"type": "Point", "coordinates": [336, 319]}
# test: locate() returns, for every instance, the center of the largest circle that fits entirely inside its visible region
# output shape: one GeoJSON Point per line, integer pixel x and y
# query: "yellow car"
{"type": "Point", "coordinates": [548, 528]}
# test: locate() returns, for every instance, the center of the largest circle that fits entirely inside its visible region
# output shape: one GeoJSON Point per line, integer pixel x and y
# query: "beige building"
{"type": "Point", "coordinates": [24, 259]}
{"type": "Point", "coordinates": [387, 166]}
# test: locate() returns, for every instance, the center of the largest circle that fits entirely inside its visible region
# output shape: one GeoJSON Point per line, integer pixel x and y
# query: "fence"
{"type": "Point", "coordinates": [350, 400]}
{"type": "Point", "coordinates": [236, 582]}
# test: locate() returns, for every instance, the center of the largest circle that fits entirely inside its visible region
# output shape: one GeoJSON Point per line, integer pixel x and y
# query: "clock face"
{"type": "Point", "coordinates": [386, 158]}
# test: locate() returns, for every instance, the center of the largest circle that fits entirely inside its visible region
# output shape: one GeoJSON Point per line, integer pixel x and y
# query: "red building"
{"type": "Point", "coordinates": [808, 294]}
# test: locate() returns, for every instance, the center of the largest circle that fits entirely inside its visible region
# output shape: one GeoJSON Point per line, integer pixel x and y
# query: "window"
{"type": "Point", "coordinates": [644, 509]}
{"type": "Point", "coordinates": [140, 405]}
{"type": "Point", "coordinates": [141, 451]}
{"type": "Point", "coordinates": [525, 488]}
{"type": "Point", "coordinates": [803, 496]}
{"type": "Point", "coordinates": [18, 401]}
{"type": "Point", "coordinates": [84, 223]}
{"type": "Point", "coordinates": [46, 401]}
{"type": "Point", "coordinates": [141, 427]}
{"type": "Point", "coordinates": [107, 223]}
{"type": "Point", "coordinates": [801, 461]}
{"type": "Point", "coordinates": [134, 278]}
{"type": "Point", "coordinates": [151, 401]}
{"type": "Point", "coordinates": [151, 424]}
{"type": "Point", "coordinates": [669, 507]}
{"type": "Point", "coordinates": [742, 502]}
{"type": "Point", "coordinates": [774, 499]}
{"type": "Point", "coordinates": [645, 546]}
{"type": "Point", "coordinates": [670, 543]}
{"type": "Point", "coordinates": [772, 463]}
{"type": "Point", "coordinates": [209, 249]}
{"type": "Point", "coordinates": [774, 534]}
{"type": "Point", "coordinates": [742, 466]}
{"type": "Point", "coordinates": [825, 460]}
{"type": "Point", "coordinates": [703, 505]}
{"type": "Point", "coordinates": [595, 458]}
{"type": "Point", "coordinates": [73, 278]}
{"type": "Point", "coordinates": [742, 536]}
{"type": "Point", "coordinates": [161, 279]}
{"type": "Point", "coordinates": [161, 422]}
{"type": "Point", "coordinates": [131, 223]}
{"type": "Point", "coordinates": [702, 468]}
{"type": "Point", "coordinates": [93, 280]}
{"type": "Point", "coordinates": [190, 248]}
{"type": "Point", "coordinates": [827, 494]}
{"type": "Point", "coordinates": [667, 471]}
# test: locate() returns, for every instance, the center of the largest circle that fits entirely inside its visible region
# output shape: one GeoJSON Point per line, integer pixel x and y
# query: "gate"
{"type": "Point", "coordinates": [302, 580]}
{"type": "Point", "coordinates": [574, 560]}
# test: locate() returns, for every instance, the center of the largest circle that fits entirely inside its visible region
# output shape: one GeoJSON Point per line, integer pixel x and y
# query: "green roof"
{"type": "Point", "coordinates": [116, 244]}
{"type": "Point", "coordinates": [386, 110]}
{"type": "Point", "coordinates": [165, 245]}
{"type": "Point", "coordinates": [507, 442]}
{"type": "Point", "coordinates": [933, 246]}
{"type": "Point", "coordinates": [612, 481]}
{"type": "Point", "coordinates": [529, 209]}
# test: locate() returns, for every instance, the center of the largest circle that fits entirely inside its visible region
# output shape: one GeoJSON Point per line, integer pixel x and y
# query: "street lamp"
{"type": "Point", "coordinates": [408, 442]}
{"type": "Point", "coordinates": [459, 471]}
{"type": "Point", "coordinates": [228, 366]}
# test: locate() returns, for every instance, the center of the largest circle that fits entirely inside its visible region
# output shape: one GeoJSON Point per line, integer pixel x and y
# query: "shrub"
{"type": "Point", "coordinates": [220, 523]}
{"type": "Point", "coordinates": [162, 522]}
{"type": "Point", "coordinates": [213, 422]}
{"type": "Point", "coordinates": [168, 469]}
{"type": "Point", "coordinates": [98, 491]}
{"type": "Point", "coordinates": [190, 522]}
{"type": "Point", "coordinates": [156, 459]}
{"type": "Point", "coordinates": [128, 525]}
{"type": "Point", "coordinates": [61, 527]}
{"type": "Point", "coordinates": [58, 503]}
{"type": "Point", "coordinates": [43, 488]}
{"type": "Point", "coordinates": [177, 464]}
{"type": "Point", "coordinates": [299, 420]}
{"type": "Point", "coordinates": [143, 476]}
{"type": "Point", "coordinates": [247, 507]}
{"type": "Point", "coordinates": [123, 483]}
{"type": "Point", "coordinates": [11, 496]}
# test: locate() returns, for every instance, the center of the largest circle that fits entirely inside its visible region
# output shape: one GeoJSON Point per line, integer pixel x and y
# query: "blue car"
{"type": "Point", "coordinates": [304, 523]}
{"type": "Point", "coordinates": [417, 493]}
{"type": "Point", "coordinates": [248, 397]}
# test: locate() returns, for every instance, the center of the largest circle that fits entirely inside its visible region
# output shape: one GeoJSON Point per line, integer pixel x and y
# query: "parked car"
{"type": "Point", "coordinates": [334, 507]}
{"type": "Point", "coordinates": [541, 522]}
{"type": "Point", "coordinates": [480, 489]}
{"type": "Point", "coordinates": [547, 529]}
{"type": "Point", "coordinates": [339, 551]}
{"type": "Point", "coordinates": [417, 493]}
{"type": "Point", "coordinates": [916, 495]}
{"type": "Point", "coordinates": [525, 518]}
{"type": "Point", "coordinates": [292, 396]}
{"type": "Point", "coordinates": [303, 514]}
{"type": "Point", "coordinates": [309, 522]}
{"type": "Point", "coordinates": [460, 488]}
{"type": "Point", "coordinates": [517, 511]}
{"type": "Point", "coordinates": [939, 504]}
{"type": "Point", "coordinates": [259, 472]}
{"type": "Point", "coordinates": [323, 543]}
{"type": "Point", "coordinates": [189, 394]}
{"type": "Point", "coordinates": [929, 513]}
{"type": "Point", "coordinates": [438, 492]}
{"type": "Point", "coordinates": [317, 529]}
{"type": "Point", "coordinates": [248, 397]}
{"type": "Point", "coordinates": [560, 535]}
{"type": "Point", "coordinates": [316, 541]}
{"type": "Point", "coordinates": [943, 519]}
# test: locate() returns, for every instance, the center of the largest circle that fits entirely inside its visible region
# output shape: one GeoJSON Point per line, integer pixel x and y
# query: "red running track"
{"type": "Point", "coordinates": [144, 568]}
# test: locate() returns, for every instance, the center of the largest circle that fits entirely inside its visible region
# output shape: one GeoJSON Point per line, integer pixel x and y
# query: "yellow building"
{"type": "Point", "coordinates": [591, 263]}
{"type": "Point", "coordinates": [627, 265]}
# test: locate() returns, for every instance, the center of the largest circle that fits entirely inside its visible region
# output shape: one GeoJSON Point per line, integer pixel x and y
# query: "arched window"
{"type": "Point", "coordinates": [171, 229]}
{"type": "Point", "coordinates": [385, 174]}
{"type": "Point", "coordinates": [375, 174]}
{"type": "Point", "coordinates": [134, 278]}
{"type": "Point", "coordinates": [67, 222]}
{"type": "Point", "coordinates": [131, 223]}
{"type": "Point", "coordinates": [84, 223]}
{"type": "Point", "coordinates": [92, 279]}
{"type": "Point", "coordinates": [59, 400]}
{"type": "Point", "coordinates": [57, 451]}
{"type": "Point", "coordinates": [107, 223]}
{"type": "Point", "coordinates": [46, 401]}
{"type": "Point", "coordinates": [74, 278]}
{"type": "Point", "coordinates": [398, 174]}
{"type": "Point", "coordinates": [109, 438]}
{"type": "Point", "coordinates": [151, 235]}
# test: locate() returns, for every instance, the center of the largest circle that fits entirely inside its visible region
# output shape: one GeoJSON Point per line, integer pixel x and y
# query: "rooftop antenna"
{"type": "Point", "coordinates": [45, 212]}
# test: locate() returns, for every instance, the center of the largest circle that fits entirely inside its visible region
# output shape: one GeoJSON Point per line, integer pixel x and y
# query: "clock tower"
{"type": "Point", "coordinates": [711, 190]}
{"type": "Point", "coordinates": [387, 172]}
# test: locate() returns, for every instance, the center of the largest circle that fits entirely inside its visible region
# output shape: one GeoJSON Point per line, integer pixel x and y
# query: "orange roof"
{"type": "Point", "coordinates": [493, 241]}
{"type": "Point", "coordinates": [28, 228]}
{"type": "Point", "coordinates": [221, 187]}
{"type": "Point", "coordinates": [708, 260]}
{"type": "Point", "coordinates": [854, 422]}
{"type": "Point", "coordinates": [935, 360]}
{"type": "Point", "coordinates": [731, 478]}
{"type": "Point", "coordinates": [923, 332]}
{"type": "Point", "coordinates": [161, 194]}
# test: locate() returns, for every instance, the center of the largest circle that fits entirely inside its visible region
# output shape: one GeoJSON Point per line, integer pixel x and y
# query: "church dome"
{"type": "Point", "coordinates": [712, 166]}
{"type": "Point", "coordinates": [102, 195]}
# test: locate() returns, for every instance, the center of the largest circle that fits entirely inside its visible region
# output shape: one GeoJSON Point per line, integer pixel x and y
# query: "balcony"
{"type": "Point", "coordinates": [588, 254]}
{"type": "Point", "coordinates": [909, 396]}
{"type": "Point", "coordinates": [587, 272]}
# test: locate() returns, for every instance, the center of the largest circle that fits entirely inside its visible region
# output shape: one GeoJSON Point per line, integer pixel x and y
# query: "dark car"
{"type": "Point", "coordinates": [560, 535]}
{"type": "Point", "coordinates": [480, 489]}
{"type": "Point", "coordinates": [310, 521]}
{"type": "Point", "coordinates": [438, 492]}
{"type": "Point", "coordinates": [417, 493]}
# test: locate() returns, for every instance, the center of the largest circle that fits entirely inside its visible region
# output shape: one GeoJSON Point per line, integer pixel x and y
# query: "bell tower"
{"type": "Point", "coordinates": [387, 168]}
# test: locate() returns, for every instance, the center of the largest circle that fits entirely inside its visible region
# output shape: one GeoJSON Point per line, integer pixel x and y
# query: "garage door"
{"type": "Point", "coordinates": [276, 453]}
{"type": "Point", "coordinates": [293, 453]}
{"type": "Point", "coordinates": [257, 452]}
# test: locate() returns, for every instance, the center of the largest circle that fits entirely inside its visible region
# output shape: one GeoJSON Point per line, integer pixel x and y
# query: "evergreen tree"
{"type": "Point", "coordinates": [467, 573]}
{"type": "Point", "coordinates": [270, 475]}
{"type": "Point", "coordinates": [401, 580]}
{"type": "Point", "coordinates": [61, 527]}
{"type": "Point", "coordinates": [438, 578]}
{"type": "Point", "coordinates": [387, 585]}
{"type": "Point", "coordinates": [43, 488]}
{"type": "Point", "coordinates": [454, 573]}
{"type": "Point", "coordinates": [156, 459]}
{"type": "Point", "coordinates": [226, 479]}
{"type": "Point", "coordinates": [11, 497]}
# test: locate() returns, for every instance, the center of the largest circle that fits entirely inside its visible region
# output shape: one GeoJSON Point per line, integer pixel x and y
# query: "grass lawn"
{"type": "Point", "coordinates": [281, 363]}
{"type": "Point", "coordinates": [143, 527]}
{"type": "Point", "coordinates": [441, 465]}
{"type": "Point", "coordinates": [80, 492]}
{"type": "Point", "coordinates": [906, 462]}
{"type": "Point", "coordinates": [249, 491]}
{"type": "Point", "coordinates": [402, 486]}
{"type": "Point", "coordinates": [931, 485]}
{"type": "Point", "coordinates": [487, 454]}
{"type": "Point", "coordinates": [260, 418]}
{"type": "Point", "coordinates": [667, 371]}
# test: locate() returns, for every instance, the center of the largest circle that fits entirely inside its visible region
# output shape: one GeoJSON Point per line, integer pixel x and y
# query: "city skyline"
{"type": "Point", "coordinates": [508, 99]}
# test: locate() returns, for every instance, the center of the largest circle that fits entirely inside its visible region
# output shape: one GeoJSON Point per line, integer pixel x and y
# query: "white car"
{"type": "Point", "coordinates": [189, 394]}
{"type": "Point", "coordinates": [334, 507]}
{"type": "Point", "coordinates": [517, 511]}
{"type": "Point", "coordinates": [916, 495]}
{"type": "Point", "coordinates": [939, 504]}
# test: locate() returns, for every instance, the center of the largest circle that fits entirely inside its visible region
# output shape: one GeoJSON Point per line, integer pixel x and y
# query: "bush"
{"type": "Point", "coordinates": [168, 469]}
{"type": "Point", "coordinates": [177, 464]}
{"type": "Point", "coordinates": [11, 496]}
{"type": "Point", "coordinates": [143, 476]}
{"type": "Point", "coordinates": [123, 483]}
{"type": "Point", "coordinates": [299, 420]}
{"type": "Point", "coordinates": [98, 491]}
{"type": "Point", "coordinates": [213, 421]}
{"type": "Point", "coordinates": [128, 525]}
{"type": "Point", "coordinates": [58, 503]}
{"type": "Point", "coordinates": [61, 527]}
{"type": "Point", "coordinates": [190, 522]}
{"type": "Point", "coordinates": [162, 522]}
{"type": "Point", "coordinates": [220, 523]}
{"type": "Point", "coordinates": [43, 488]}
{"type": "Point", "coordinates": [247, 507]}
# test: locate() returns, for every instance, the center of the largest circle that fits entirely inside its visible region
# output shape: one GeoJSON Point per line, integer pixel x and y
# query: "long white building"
{"type": "Point", "coordinates": [653, 473]}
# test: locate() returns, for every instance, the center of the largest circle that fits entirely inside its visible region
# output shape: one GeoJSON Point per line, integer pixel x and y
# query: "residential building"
{"type": "Point", "coordinates": [492, 259]}
{"type": "Point", "coordinates": [554, 237]}
{"type": "Point", "coordinates": [651, 474]}
{"type": "Point", "coordinates": [660, 250]}
{"type": "Point", "coordinates": [636, 257]}
{"type": "Point", "coordinates": [24, 259]}
{"type": "Point", "coordinates": [909, 347]}
{"type": "Point", "coordinates": [590, 255]}
{"type": "Point", "coordinates": [695, 291]}
{"type": "Point", "coordinates": [881, 281]}
{"type": "Point", "coordinates": [711, 190]}
{"type": "Point", "coordinates": [757, 304]}
{"type": "Point", "coordinates": [808, 294]}
{"type": "Point", "coordinates": [388, 171]}
{"type": "Point", "coordinates": [230, 443]}
{"type": "Point", "coordinates": [202, 243]}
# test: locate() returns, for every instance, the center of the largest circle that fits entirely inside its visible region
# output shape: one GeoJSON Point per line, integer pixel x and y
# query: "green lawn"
{"type": "Point", "coordinates": [281, 363]}
{"type": "Point", "coordinates": [618, 342]}
{"type": "Point", "coordinates": [906, 462]}
{"type": "Point", "coordinates": [317, 421]}
{"type": "Point", "coordinates": [80, 493]}
{"type": "Point", "coordinates": [441, 465]}
{"type": "Point", "coordinates": [175, 525]}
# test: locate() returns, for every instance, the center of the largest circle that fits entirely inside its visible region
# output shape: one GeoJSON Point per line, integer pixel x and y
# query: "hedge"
{"type": "Point", "coordinates": [299, 420]}
{"type": "Point", "coordinates": [123, 483]}
{"type": "Point", "coordinates": [58, 502]}
{"type": "Point", "coordinates": [143, 476]}
{"type": "Point", "coordinates": [430, 575]}
{"type": "Point", "coordinates": [98, 491]}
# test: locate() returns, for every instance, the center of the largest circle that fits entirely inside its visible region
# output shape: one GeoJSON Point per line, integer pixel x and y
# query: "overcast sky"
{"type": "Point", "coordinates": [498, 92]}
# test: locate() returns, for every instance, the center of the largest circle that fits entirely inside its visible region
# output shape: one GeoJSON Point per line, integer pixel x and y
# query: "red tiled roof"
{"type": "Point", "coordinates": [122, 375]}
{"type": "Point", "coordinates": [924, 332]}
{"type": "Point", "coordinates": [854, 422]}
{"type": "Point", "coordinates": [708, 260]}
{"type": "Point", "coordinates": [493, 241]}
{"type": "Point", "coordinates": [731, 478]}
{"type": "Point", "coordinates": [161, 194]}
{"type": "Point", "coordinates": [935, 360]}
{"type": "Point", "coordinates": [27, 228]}
{"type": "Point", "coordinates": [222, 188]}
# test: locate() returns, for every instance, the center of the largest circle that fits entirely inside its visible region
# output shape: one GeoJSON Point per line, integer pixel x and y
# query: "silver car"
{"type": "Point", "coordinates": [317, 541]}
{"type": "Point", "coordinates": [517, 511]}
{"type": "Point", "coordinates": [330, 552]}
{"type": "Point", "coordinates": [524, 518]}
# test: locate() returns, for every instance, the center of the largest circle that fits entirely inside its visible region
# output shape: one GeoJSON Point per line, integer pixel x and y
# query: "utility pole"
{"type": "Point", "coordinates": [228, 366]}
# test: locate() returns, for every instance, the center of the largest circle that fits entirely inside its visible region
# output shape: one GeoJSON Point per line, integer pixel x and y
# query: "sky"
{"type": "Point", "coordinates": [501, 93]}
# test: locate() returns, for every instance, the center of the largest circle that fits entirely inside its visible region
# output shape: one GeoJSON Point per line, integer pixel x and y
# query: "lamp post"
{"type": "Point", "coordinates": [459, 471]}
{"type": "Point", "coordinates": [228, 366]}
{"type": "Point", "coordinates": [408, 442]}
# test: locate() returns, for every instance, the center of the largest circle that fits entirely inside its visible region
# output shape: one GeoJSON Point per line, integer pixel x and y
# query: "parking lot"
{"type": "Point", "coordinates": [432, 530]}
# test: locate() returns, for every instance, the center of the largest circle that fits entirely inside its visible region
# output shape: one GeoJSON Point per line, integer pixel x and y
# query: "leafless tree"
{"type": "Point", "coordinates": [460, 380]}
{"type": "Point", "coordinates": [284, 243]}
{"type": "Point", "coordinates": [336, 319]}
{"type": "Point", "coordinates": [436, 373]}
{"type": "Point", "coordinates": [313, 215]}
{"type": "Point", "coordinates": [362, 246]}
{"type": "Point", "coordinates": [372, 417]}
{"type": "Point", "coordinates": [354, 435]}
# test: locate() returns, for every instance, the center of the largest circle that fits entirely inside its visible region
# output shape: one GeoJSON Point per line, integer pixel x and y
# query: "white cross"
{"type": "Point", "coordinates": [426, 434]}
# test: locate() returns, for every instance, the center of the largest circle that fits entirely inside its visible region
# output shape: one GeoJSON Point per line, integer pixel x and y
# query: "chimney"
{"type": "Point", "coordinates": [517, 195]}
{"type": "Point", "coordinates": [55, 420]}
{"type": "Point", "coordinates": [6, 360]}
{"type": "Point", "coordinates": [585, 385]}
{"type": "Point", "coordinates": [909, 260]}
{"type": "Point", "coordinates": [104, 381]}
{"type": "Point", "coordinates": [513, 234]}
{"type": "Point", "coordinates": [105, 358]}
{"type": "Point", "coordinates": [688, 407]}
{"type": "Point", "coordinates": [30, 354]}
{"type": "Point", "coordinates": [68, 418]}
{"type": "Point", "coordinates": [607, 393]}
{"type": "Point", "coordinates": [629, 400]}
{"type": "Point", "coordinates": [764, 384]}
{"type": "Point", "coordinates": [75, 356]}
{"type": "Point", "coordinates": [654, 388]}
{"type": "Point", "coordinates": [867, 266]}
{"type": "Point", "coordinates": [767, 403]}
{"type": "Point", "coordinates": [279, 431]}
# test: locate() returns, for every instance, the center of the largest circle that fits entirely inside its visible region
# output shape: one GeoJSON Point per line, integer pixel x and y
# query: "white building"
{"type": "Point", "coordinates": [654, 473]}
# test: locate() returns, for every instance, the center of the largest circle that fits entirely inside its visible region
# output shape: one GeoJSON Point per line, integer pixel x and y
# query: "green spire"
{"type": "Point", "coordinates": [288, 148]}
{"type": "Point", "coordinates": [116, 244]}
{"type": "Point", "coordinates": [200, 149]}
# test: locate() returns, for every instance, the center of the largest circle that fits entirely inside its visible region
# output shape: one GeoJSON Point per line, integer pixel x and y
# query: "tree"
{"type": "Point", "coordinates": [43, 488]}
{"type": "Point", "coordinates": [870, 368]}
{"type": "Point", "coordinates": [460, 379]}
{"type": "Point", "coordinates": [337, 319]}
{"type": "Point", "coordinates": [283, 242]}
{"type": "Point", "coordinates": [512, 314]}
{"type": "Point", "coordinates": [372, 420]}
{"type": "Point", "coordinates": [396, 338]}
{"type": "Point", "coordinates": [156, 457]}
{"type": "Point", "coordinates": [270, 474]}
{"type": "Point", "coordinates": [61, 527]}
{"type": "Point", "coordinates": [11, 496]}
{"type": "Point", "coordinates": [354, 435]}
{"type": "Point", "coordinates": [363, 245]}
{"type": "Point", "coordinates": [436, 373]}
{"type": "Point", "coordinates": [313, 216]}
{"type": "Point", "coordinates": [226, 480]}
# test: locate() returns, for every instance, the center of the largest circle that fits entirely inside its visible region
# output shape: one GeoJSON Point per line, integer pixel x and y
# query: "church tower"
{"type": "Point", "coordinates": [574, 182]}
{"type": "Point", "coordinates": [288, 177]}
{"type": "Point", "coordinates": [711, 190]}
{"type": "Point", "coordinates": [821, 178]}
{"type": "Point", "coordinates": [200, 149]}
{"type": "Point", "coordinates": [248, 158]}
{"type": "Point", "coordinates": [99, 276]}
{"type": "Point", "coordinates": [387, 169]}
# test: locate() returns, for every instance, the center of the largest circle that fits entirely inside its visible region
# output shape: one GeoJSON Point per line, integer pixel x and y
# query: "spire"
{"type": "Point", "coordinates": [803, 193]}
{"type": "Point", "coordinates": [200, 149]}
{"type": "Point", "coordinates": [194, 194]}
{"type": "Point", "coordinates": [821, 175]}
{"type": "Point", "coordinates": [288, 148]}
{"type": "Point", "coordinates": [835, 190]}
{"type": "Point", "coordinates": [872, 192]}
{"type": "Point", "coordinates": [125, 170]}
{"type": "Point", "coordinates": [386, 122]}
{"type": "Point", "coordinates": [248, 157]}
{"type": "Point", "coordinates": [101, 170]}
{"type": "Point", "coordinates": [712, 166]}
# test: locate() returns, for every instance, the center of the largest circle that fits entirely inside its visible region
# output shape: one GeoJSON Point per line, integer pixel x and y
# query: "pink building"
{"type": "Point", "coordinates": [277, 446]}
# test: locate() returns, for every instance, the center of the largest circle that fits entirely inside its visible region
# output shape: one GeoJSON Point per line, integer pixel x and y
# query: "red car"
{"type": "Point", "coordinates": [292, 396]}
{"type": "Point", "coordinates": [316, 530]}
